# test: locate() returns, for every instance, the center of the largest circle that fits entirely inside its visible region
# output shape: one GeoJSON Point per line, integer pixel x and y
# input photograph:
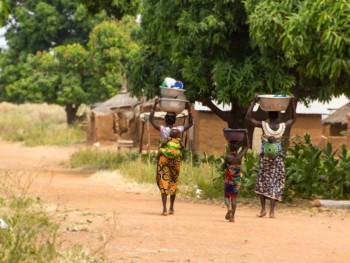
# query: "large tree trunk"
{"type": "Point", "coordinates": [71, 113]}
{"type": "Point", "coordinates": [287, 116]}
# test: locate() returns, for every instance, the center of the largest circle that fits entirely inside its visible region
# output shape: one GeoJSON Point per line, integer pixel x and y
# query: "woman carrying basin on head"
{"type": "Point", "coordinates": [168, 169]}
{"type": "Point", "coordinates": [271, 178]}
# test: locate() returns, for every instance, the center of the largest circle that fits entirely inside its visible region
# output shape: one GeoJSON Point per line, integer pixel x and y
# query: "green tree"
{"type": "Point", "coordinates": [4, 11]}
{"type": "Point", "coordinates": [110, 48]}
{"type": "Point", "coordinates": [37, 26]}
{"type": "Point", "coordinates": [206, 44]}
{"type": "Point", "coordinates": [116, 8]}
{"type": "Point", "coordinates": [310, 38]}
{"type": "Point", "coordinates": [229, 50]}
{"type": "Point", "coordinates": [53, 77]}
{"type": "Point", "coordinates": [52, 57]}
{"type": "Point", "coordinates": [70, 75]}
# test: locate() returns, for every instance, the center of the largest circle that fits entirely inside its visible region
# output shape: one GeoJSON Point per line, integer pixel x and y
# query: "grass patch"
{"type": "Point", "coordinates": [142, 169]}
{"type": "Point", "coordinates": [38, 124]}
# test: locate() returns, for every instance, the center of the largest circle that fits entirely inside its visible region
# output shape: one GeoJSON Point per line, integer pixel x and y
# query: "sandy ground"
{"type": "Point", "coordinates": [121, 219]}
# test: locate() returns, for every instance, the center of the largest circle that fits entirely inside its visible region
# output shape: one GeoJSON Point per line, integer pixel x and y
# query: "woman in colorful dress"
{"type": "Point", "coordinates": [271, 178]}
{"type": "Point", "coordinates": [168, 169]}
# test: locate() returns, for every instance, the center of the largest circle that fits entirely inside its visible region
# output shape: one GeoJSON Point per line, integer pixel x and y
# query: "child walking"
{"type": "Point", "coordinates": [232, 184]}
{"type": "Point", "coordinates": [232, 168]}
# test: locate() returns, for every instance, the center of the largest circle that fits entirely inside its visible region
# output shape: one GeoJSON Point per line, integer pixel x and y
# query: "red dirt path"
{"type": "Point", "coordinates": [197, 232]}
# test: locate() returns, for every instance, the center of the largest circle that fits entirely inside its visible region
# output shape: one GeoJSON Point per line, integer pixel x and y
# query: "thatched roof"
{"type": "Point", "coordinates": [339, 116]}
{"type": "Point", "coordinates": [122, 100]}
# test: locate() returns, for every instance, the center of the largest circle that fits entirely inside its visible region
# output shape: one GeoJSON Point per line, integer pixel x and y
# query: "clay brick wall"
{"type": "Point", "coordinates": [101, 127]}
{"type": "Point", "coordinates": [336, 141]}
{"type": "Point", "coordinates": [208, 134]}
{"type": "Point", "coordinates": [308, 123]}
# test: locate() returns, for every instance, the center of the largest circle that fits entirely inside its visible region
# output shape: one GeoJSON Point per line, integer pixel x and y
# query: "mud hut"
{"type": "Point", "coordinates": [115, 120]}
{"type": "Point", "coordinates": [336, 123]}
{"type": "Point", "coordinates": [336, 127]}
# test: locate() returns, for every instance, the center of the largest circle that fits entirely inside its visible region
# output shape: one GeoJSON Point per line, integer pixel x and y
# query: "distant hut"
{"type": "Point", "coordinates": [336, 128]}
{"type": "Point", "coordinates": [115, 119]}
{"type": "Point", "coordinates": [337, 122]}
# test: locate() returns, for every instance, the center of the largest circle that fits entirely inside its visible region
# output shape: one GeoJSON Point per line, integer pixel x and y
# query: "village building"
{"type": "Point", "coordinates": [123, 121]}
{"type": "Point", "coordinates": [336, 127]}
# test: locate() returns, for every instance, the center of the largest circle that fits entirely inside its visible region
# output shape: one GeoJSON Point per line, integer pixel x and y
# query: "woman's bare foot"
{"type": "Point", "coordinates": [164, 213]}
{"type": "Point", "coordinates": [261, 214]}
{"type": "Point", "coordinates": [232, 219]}
{"type": "Point", "coordinates": [272, 215]}
{"type": "Point", "coordinates": [171, 212]}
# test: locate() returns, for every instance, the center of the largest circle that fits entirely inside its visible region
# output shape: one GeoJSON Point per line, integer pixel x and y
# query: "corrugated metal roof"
{"type": "Point", "coordinates": [200, 107]}
{"type": "Point", "coordinates": [314, 107]}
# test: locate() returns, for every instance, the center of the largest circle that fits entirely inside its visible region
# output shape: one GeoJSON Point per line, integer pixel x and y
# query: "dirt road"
{"type": "Point", "coordinates": [197, 232]}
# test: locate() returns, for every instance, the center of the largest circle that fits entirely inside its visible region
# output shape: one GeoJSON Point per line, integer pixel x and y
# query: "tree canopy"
{"type": "Point", "coordinates": [206, 44]}
{"type": "Point", "coordinates": [4, 11]}
{"type": "Point", "coordinates": [116, 8]}
{"type": "Point", "coordinates": [312, 38]}
{"type": "Point", "coordinates": [223, 51]}
{"type": "Point", "coordinates": [226, 51]}
{"type": "Point", "coordinates": [60, 53]}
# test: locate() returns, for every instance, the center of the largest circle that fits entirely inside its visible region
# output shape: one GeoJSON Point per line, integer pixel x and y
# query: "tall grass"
{"type": "Point", "coordinates": [142, 169]}
{"type": "Point", "coordinates": [37, 124]}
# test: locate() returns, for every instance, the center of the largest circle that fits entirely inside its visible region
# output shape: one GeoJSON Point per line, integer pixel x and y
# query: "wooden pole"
{"type": "Point", "coordinates": [148, 138]}
{"type": "Point", "coordinates": [141, 139]}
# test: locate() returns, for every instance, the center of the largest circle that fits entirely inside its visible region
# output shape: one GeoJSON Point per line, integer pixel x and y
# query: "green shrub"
{"type": "Point", "coordinates": [317, 173]}
{"type": "Point", "coordinates": [250, 170]}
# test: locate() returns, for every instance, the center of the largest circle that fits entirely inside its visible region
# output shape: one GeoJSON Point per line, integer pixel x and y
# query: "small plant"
{"type": "Point", "coordinates": [250, 170]}
{"type": "Point", "coordinates": [314, 172]}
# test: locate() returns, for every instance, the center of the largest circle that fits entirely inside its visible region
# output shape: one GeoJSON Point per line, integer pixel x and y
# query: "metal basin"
{"type": "Point", "coordinates": [172, 105]}
{"type": "Point", "coordinates": [166, 92]}
{"type": "Point", "coordinates": [234, 134]}
{"type": "Point", "coordinates": [274, 102]}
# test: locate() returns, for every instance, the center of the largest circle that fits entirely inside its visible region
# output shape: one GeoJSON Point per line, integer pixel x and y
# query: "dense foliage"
{"type": "Point", "coordinates": [310, 38]}
{"type": "Point", "coordinates": [226, 51]}
{"type": "Point", "coordinates": [60, 53]}
{"type": "Point", "coordinates": [314, 172]}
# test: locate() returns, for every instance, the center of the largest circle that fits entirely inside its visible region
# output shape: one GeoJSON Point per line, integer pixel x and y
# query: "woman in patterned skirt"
{"type": "Point", "coordinates": [168, 169]}
{"type": "Point", "coordinates": [271, 178]}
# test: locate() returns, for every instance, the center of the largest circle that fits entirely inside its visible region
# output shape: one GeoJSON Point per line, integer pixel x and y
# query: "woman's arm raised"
{"type": "Point", "coordinates": [151, 116]}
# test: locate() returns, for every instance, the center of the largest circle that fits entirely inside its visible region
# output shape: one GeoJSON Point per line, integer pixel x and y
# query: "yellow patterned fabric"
{"type": "Point", "coordinates": [172, 149]}
{"type": "Point", "coordinates": [167, 174]}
